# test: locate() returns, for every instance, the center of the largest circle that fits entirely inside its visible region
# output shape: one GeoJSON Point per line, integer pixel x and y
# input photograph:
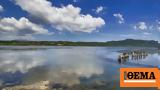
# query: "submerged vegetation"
{"type": "Point", "coordinates": [127, 42]}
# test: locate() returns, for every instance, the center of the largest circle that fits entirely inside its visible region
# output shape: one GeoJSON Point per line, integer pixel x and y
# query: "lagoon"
{"type": "Point", "coordinates": [67, 67]}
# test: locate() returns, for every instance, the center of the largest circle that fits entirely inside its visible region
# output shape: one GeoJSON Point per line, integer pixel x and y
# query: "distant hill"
{"type": "Point", "coordinates": [127, 42]}
{"type": "Point", "coordinates": [132, 42]}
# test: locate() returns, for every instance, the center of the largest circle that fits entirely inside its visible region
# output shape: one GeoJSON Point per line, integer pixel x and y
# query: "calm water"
{"type": "Point", "coordinates": [87, 67]}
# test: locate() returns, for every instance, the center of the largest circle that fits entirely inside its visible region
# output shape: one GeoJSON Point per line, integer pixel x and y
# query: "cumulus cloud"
{"type": "Point", "coordinates": [64, 18]}
{"type": "Point", "coordinates": [141, 26]}
{"type": "Point", "coordinates": [119, 17]}
{"type": "Point", "coordinates": [1, 8]}
{"type": "Point", "coordinates": [99, 9]}
{"type": "Point", "coordinates": [21, 28]}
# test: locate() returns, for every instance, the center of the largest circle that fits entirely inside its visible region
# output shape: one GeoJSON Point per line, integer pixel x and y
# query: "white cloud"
{"type": "Point", "coordinates": [128, 35]}
{"type": "Point", "coordinates": [64, 18]}
{"type": "Point", "coordinates": [158, 28]}
{"type": "Point", "coordinates": [146, 33]}
{"type": "Point", "coordinates": [151, 27]}
{"type": "Point", "coordinates": [141, 26]}
{"type": "Point", "coordinates": [158, 22]}
{"type": "Point", "coordinates": [99, 9]}
{"type": "Point", "coordinates": [158, 25]}
{"type": "Point", "coordinates": [75, 1]}
{"type": "Point", "coordinates": [119, 17]}
{"type": "Point", "coordinates": [22, 28]}
{"type": "Point", "coordinates": [1, 8]}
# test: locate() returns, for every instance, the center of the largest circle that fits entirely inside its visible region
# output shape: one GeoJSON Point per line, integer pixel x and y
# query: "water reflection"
{"type": "Point", "coordinates": [57, 65]}
{"type": "Point", "coordinates": [76, 67]}
{"type": "Point", "coordinates": [142, 56]}
{"type": "Point", "coordinates": [68, 65]}
{"type": "Point", "coordinates": [22, 61]}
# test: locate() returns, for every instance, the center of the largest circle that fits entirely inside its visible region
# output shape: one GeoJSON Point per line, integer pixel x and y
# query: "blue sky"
{"type": "Point", "coordinates": [80, 20]}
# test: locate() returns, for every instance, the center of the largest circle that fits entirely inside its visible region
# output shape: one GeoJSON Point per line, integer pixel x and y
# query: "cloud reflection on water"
{"type": "Point", "coordinates": [69, 65]}
{"type": "Point", "coordinates": [153, 59]}
{"type": "Point", "coordinates": [64, 65]}
{"type": "Point", "coordinates": [58, 65]}
{"type": "Point", "coordinates": [13, 61]}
